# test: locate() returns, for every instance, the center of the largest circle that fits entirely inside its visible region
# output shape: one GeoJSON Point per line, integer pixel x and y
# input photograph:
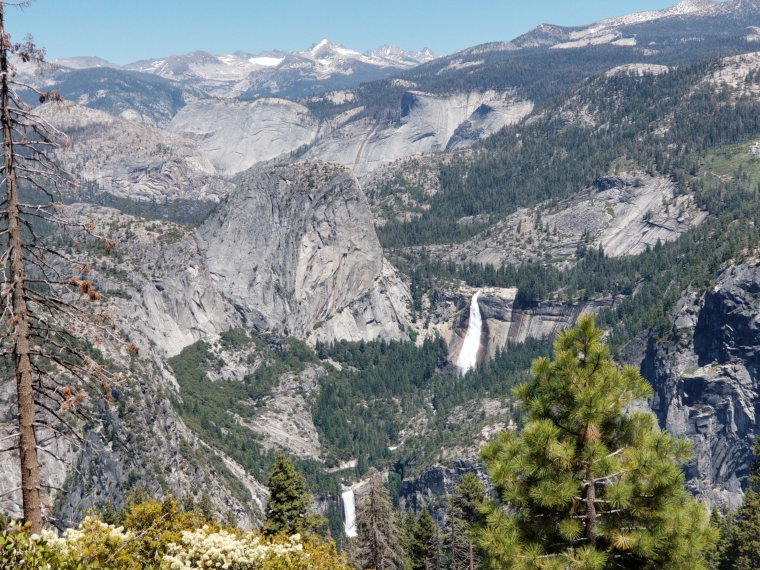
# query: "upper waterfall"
{"type": "Point", "coordinates": [468, 355]}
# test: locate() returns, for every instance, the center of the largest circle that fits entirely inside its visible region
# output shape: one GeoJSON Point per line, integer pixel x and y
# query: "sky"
{"type": "Point", "coordinates": [123, 31]}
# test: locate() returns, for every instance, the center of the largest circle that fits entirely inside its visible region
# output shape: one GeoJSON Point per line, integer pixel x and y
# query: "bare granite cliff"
{"type": "Point", "coordinates": [237, 135]}
{"type": "Point", "coordinates": [706, 378]}
{"type": "Point", "coordinates": [295, 251]}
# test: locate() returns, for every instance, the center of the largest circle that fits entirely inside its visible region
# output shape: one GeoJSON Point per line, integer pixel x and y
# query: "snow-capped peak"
{"type": "Point", "coordinates": [327, 49]}
{"type": "Point", "coordinates": [395, 55]}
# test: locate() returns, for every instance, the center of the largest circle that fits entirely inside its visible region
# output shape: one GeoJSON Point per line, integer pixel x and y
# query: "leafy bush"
{"type": "Point", "coordinates": [160, 536]}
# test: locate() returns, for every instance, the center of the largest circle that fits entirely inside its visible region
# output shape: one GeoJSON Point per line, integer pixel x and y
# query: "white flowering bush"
{"type": "Point", "coordinates": [92, 537]}
{"type": "Point", "coordinates": [205, 548]}
{"type": "Point", "coordinates": [157, 536]}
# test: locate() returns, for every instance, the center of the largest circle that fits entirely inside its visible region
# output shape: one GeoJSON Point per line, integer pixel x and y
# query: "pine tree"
{"type": "Point", "coordinates": [424, 544]}
{"type": "Point", "coordinates": [380, 537]}
{"type": "Point", "coordinates": [590, 484]}
{"type": "Point", "coordinates": [740, 541]}
{"type": "Point", "coordinates": [464, 512]}
{"type": "Point", "coordinates": [289, 501]}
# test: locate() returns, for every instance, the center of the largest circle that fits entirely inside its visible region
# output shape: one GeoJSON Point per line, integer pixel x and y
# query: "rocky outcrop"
{"type": "Point", "coordinates": [432, 486]}
{"type": "Point", "coordinates": [130, 160]}
{"type": "Point", "coordinates": [137, 440]}
{"type": "Point", "coordinates": [707, 381]}
{"type": "Point", "coordinates": [429, 123]}
{"type": "Point", "coordinates": [294, 251]}
{"type": "Point", "coordinates": [623, 214]}
{"type": "Point", "coordinates": [285, 421]}
{"type": "Point", "coordinates": [239, 134]}
{"type": "Point", "coordinates": [236, 135]}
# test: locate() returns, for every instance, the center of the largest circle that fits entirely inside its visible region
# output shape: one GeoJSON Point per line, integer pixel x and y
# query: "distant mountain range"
{"type": "Point", "coordinates": [326, 65]}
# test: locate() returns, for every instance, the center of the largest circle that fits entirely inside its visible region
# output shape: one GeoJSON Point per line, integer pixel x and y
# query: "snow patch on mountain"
{"type": "Point", "coordinates": [589, 40]}
{"type": "Point", "coordinates": [457, 64]}
{"type": "Point", "coordinates": [614, 30]}
{"type": "Point", "coordinates": [231, 75]}
{"type": "Point", "coordinates": [83, 62]}
{"type": "Point", "coordinates": [685, 8]}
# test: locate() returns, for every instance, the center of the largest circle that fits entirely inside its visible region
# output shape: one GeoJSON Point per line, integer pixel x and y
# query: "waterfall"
{"type": "Point", "coordinates": [468, 355]}
{"type": "Point", "coordinates": [349, 513]}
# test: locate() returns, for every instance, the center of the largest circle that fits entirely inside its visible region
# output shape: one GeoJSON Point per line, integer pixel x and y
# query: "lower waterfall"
{"type": "Point", "coordinates": [349, 513]}
{"type": "Point", "coordinates": [468, 355]}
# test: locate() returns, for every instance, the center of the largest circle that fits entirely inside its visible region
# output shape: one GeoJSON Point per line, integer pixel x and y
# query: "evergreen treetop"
{"type": "Point", "coordinates": [289, 500]}
{"type": "Point", "coordinates": [590, 484]}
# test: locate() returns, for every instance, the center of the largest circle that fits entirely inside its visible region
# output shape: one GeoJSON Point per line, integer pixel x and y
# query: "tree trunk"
{"type": "Point", "coordinates": [30, 467]}
{"type": "Point", "coordinates": [590, 509]}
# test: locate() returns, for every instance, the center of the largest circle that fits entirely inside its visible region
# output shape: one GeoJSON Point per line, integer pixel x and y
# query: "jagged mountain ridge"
{"type": "Point", "coordinates": [275, 72]}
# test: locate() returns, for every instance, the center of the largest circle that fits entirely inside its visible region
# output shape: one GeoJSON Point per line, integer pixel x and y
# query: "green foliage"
{"type": "Point", "coordinates": [388, 384]}
{"type": "Point", "coordinates": [589, 484]}
{"type": "Point", "coordinates": [424, 544]}
{"type": "Point", "coordinates": [19, 550]}
{"type": "Point", "coordinates": [383, 383]}
{"type": "Point", "coordinates": [465, 507]}
{"type": "Point", "coordinates": [210, 408]}
{"type": "Point", "coordinates": [739, 547]}
{"type": "Point", "coordinates": [289, 501]}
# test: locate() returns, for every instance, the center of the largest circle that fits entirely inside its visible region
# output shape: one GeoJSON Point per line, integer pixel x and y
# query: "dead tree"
{"type": "Point", "coordinates": [45, 330]}
{"type": "Point", "coordinates": [379, 529]}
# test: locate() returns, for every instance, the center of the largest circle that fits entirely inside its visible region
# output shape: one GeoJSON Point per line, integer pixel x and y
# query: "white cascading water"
{"type": "Point", "coordinates": [468, 356]}
{"type": "Point", "coordinates": [349, 513]}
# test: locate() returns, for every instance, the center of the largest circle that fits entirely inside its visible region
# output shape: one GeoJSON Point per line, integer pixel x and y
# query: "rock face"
{"type": "Point", "coordinates": [286, 421]}
{"type": "Point", "coordinates": [294, 250]}
{"type": "Point", "coordinates": [133, 161]}
{"type": "Point", "coordinates": [707, 381]}
{"type": "Point", "coordinates": [138, 440]}
{"type": "Point", "coordinates": [503, 322]}
{"type": "Point", "coordinates": [238, 134]}
{"type": "Point", "coordinates": [431, 487]}
{"type": "Point", "coordinates": [623, 214]}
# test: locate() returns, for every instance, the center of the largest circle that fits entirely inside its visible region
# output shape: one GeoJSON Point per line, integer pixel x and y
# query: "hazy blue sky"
{"type": "Point", "coordinates": [123, 31]}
